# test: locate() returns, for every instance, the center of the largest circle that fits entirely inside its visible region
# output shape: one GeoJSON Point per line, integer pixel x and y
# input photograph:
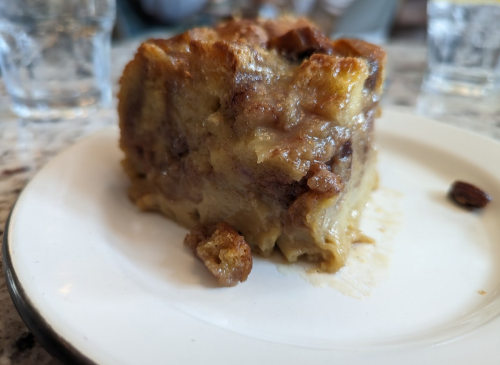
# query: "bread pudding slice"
{"type": "Point", "coordinates": [264, 125]}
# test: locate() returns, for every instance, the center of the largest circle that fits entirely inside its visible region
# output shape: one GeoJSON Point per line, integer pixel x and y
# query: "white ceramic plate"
{"type": "Point", "coordinates": [101, 282]}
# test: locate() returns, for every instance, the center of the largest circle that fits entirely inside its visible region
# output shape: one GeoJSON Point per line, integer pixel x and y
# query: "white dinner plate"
{"type": "Point", "coordinates": [98, 281]}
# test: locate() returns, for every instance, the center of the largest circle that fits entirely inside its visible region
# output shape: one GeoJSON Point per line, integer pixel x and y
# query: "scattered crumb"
{"type": "Point", "coordinates": [481, 292]}
{"type": "Point", "coordinates": [225, 252]}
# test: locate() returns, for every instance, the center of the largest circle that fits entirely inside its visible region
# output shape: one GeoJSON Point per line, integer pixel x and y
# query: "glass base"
{"type": "Point", "coordinates": [465, 85]}
{"type": "Point", "coordinates": [58, 108]}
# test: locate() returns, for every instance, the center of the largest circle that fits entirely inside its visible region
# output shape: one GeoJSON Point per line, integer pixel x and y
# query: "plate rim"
{"type": "Point", "coordinates": [51, 341]}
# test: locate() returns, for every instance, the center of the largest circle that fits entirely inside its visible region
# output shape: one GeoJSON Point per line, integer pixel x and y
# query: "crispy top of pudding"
{"type": "Point", "coordinates": [265, 105]}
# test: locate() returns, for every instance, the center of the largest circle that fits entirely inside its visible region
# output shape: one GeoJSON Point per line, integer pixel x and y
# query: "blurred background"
{"type": "Point", "coordinates": [377, 21]}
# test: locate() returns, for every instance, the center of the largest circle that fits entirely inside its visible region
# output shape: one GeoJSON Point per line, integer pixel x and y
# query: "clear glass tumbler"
{"type": "Point", "coordinates": [54, 55]}
{"type": "Point", "coordinates": [463, 38]}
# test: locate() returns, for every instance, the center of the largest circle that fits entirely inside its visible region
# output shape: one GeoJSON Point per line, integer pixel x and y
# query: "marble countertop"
{"type": "Point", "coordinates": [26, 146]}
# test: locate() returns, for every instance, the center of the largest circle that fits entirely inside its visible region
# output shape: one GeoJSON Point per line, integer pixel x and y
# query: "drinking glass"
{"type": "Point", "coordinates": [54, 56]}
{"type": "Point", "coordinates": [463, 41]}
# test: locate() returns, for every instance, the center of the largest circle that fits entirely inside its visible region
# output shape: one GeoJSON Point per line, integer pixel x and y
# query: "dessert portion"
{"type": "Point", "coordinates": [266, 126]}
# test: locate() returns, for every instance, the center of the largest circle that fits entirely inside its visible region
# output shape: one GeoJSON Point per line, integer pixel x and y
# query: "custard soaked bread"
{"type": "Point", "coordinates": [264, 125]}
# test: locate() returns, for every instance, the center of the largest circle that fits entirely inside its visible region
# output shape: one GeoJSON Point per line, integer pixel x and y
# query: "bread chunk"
{"type": "Point", "coordinates": [264, 125]}
{"type": "Point", "coordinates": [225, 252]}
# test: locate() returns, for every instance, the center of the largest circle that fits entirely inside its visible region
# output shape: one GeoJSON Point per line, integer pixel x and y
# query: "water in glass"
{"type": "Point", "coordinates": [54, 55]}
{"type": "Point", "coordinates": [463, 47]}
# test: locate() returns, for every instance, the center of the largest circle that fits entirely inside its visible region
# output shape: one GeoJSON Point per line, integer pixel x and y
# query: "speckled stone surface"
{"type": "Point", "coordinates": [25, 146]}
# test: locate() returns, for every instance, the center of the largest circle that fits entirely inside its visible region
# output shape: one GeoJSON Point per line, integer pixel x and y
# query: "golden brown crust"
{"type": "Point", "coordinates": [376, 56]}
{"type": "Point", "coordinates": [225, 252]}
